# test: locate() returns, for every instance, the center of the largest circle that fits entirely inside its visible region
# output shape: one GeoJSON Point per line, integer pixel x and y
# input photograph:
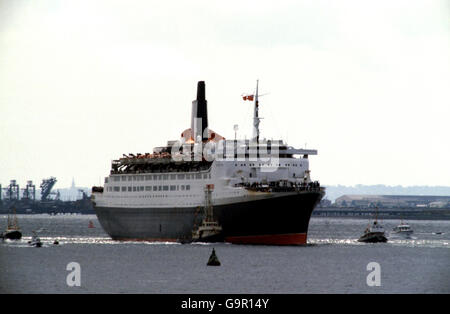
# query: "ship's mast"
{"type": "Point", "coordinates": [208, 204]}
{"type": "Point", "coordinates": [16, 225]}
{"type": "Point", "coordinates": [256, 118]}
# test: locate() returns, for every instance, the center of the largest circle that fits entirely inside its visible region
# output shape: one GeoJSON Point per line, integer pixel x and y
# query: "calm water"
{"type": "Point", "coordinates": [332, 262]}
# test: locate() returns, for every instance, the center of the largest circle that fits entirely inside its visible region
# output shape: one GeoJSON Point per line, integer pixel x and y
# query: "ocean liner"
{"type": "Point", "coordinates": [257, 191]}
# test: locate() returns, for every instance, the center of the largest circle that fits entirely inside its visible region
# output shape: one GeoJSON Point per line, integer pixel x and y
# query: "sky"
{"type": "Point", "coordinates": [366, 83]}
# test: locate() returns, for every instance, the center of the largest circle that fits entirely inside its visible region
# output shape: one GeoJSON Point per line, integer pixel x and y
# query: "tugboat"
{"type": "Point", "coordinates": [403, 229]}
{"type": "Point", "coordinates": [374, 233]}
{"type": "Point", "coordinates": [12, 230]}
{"type": "Point", "coordinates": [209, 230]}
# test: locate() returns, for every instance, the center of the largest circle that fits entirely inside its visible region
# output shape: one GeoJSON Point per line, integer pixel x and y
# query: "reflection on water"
{"type": "Point", "coordinates": [49, 241]}
{"type": "Point", "coordinates": [85, 229]}
{"type": "Point", "coordinates": [395, 242]}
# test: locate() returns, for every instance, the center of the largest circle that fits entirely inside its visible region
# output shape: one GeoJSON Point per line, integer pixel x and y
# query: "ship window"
{"type": "Point", "coordinates": [134, 189]}
{"type": "Point", "coordinates": [188, 176]}
{"type": "Point", "coordinates": [178, 187]}
{"type": "Point", "coordinates": [141, 188]}
{"type": "Point", "coordinates": [205, 176]}
{"type": "Point", "coordinates": [180, 176]}
{"type": "Point", "coordinates": [209, 175]}
{"type": "Point", "coordinates": [106, 180]}
{"type": "Point", "coordinates": [160, 188]}
{"type": "Point", "coordinates": [148, 178]}
{"type": "Point", "coordinates": [124, 178]}
{"type": "Point", "coordinates": [124, 188]}
{"type": "Point", "coordinates": [116, 179]}
{"type": "Point", "coordinates": [173, 187]}
{"type": "Point", "coordinates": [165, 188]}
{"type": "Point", "coordinates": [182, 188]}
{"type": "Point", "coordinates": [173, 176]}
{"type": "Point", "coordinates": [129, 178]}
{"type": "Point", "coordinates": [188, 187]}
{"type": "Point", "coordinates": [134, 178]}
{"type": "Point", "coordinates": [148, 188]}
{"type": "Point", "coordinates": [155, 188]}
{"type": "Point", "coordinates": [165, 177]}
{"type": "Point", "coordinates": [198, 176]}
{"type": "Point", "coordinates": [129, 189]}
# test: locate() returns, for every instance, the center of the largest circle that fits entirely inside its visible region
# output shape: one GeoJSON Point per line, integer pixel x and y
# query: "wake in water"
{"type": "Point", "coordinates": [398, 241]}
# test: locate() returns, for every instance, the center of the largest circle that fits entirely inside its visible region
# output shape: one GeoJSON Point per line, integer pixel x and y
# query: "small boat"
{"type": "Point", "coordinates": [12, 234]}
{"type": "Point", "coordinates": [209, 230]}
{"type": "Point", "coordinates": [403, 229]}
{"type": "Point", "coordinates": [12, 230]}
{"type": "Point", "coordinates": [35, 240]}
{"type": "Point", "coordinates": [373, 233]}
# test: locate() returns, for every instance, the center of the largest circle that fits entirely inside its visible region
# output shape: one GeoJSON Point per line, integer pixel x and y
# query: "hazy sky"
{"type": "Point", "coordinates": [364, 82]}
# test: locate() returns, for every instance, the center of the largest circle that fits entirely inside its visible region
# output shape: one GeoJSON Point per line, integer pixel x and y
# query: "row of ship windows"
{"type": "Point", "coordinates": [268, 165]}
{"type": "Point", "coordinates": [149, 188]}
{"type": "Point", "coordinates": [155, 196]}
{"type": "Point", "coordinates": [162, 177]}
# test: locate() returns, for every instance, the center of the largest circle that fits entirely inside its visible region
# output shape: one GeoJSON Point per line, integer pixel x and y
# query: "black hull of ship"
{"type": "Point", "coordinates": [12, 235]}
{"type": "Point", "coordinates": [279, 220]}
{"type": "Point", "coordinates": [373, 237]}
{"type": "Point", "coordinates": [212, 238]}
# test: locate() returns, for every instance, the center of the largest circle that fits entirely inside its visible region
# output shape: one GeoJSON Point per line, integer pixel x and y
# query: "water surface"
{"type": "Point", "coordinates": [332, 262]}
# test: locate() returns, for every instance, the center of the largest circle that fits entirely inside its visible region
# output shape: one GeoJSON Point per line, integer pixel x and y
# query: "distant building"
{"type": "Point", "coordinates": [439, 204]}
{"type": "Point", "coordinates": [325, 203]}
{"type": "Point", "coordinates": [393, 201]}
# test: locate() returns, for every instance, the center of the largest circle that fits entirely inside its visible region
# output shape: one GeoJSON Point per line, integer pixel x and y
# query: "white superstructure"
{"type": "Point", "coordinates": [186, 188]}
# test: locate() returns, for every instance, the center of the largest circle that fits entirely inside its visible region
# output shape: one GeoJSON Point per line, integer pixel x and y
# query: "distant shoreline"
{"type": "Point", "coordinates": [383, 213]}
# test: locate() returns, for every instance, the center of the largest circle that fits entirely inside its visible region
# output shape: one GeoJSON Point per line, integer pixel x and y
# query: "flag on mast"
{"type": "Point", "coordinates": [248, 97]}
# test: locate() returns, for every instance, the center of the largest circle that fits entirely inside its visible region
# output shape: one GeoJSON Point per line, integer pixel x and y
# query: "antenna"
{"type": "Point", "coordinates": [256, 118]}
{"type": "Point", "coordinates": [235, 128]}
